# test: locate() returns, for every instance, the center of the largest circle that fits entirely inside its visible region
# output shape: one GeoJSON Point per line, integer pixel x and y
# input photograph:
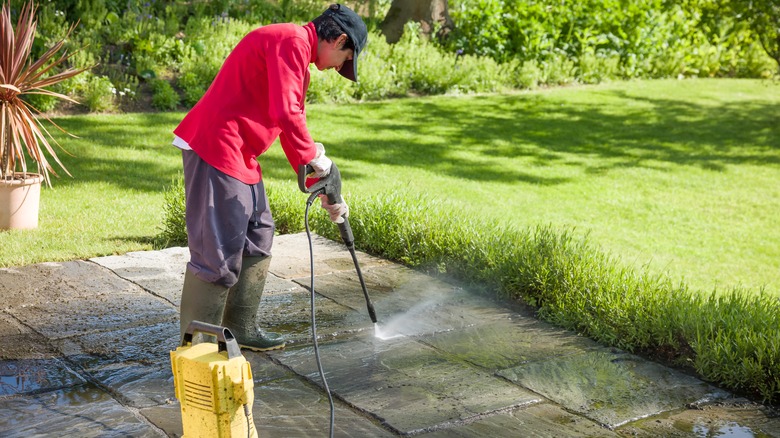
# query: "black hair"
{"type": "Point", "coordinates": [329, 30]}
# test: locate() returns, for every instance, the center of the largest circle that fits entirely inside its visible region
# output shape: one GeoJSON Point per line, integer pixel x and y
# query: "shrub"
{"type": "Point", "coordinates": [206, 44]}
{"type": "Point", "coordinates": [195, 82]}
{"type": "Point", "coordinates": [379, 74]}
{"type": "Point", "coordinates": [96, 92]}
{"type": "Point", "coordinates": [594, 68]}
{"type": "Point", "coordinates": [164, 97]}
{"type": "Point", "coordinates": [413, 65]}
{"type": "Point", "coordinates": [174, 227]}
{"type": "Point", "coordinates": [558, 70]}
{"type": "Point", "coordinates": [329, 86]}
{"type": "Point", "coordinates": [529, 75]}
{"type": "Point", "coordinates": [608, 38]}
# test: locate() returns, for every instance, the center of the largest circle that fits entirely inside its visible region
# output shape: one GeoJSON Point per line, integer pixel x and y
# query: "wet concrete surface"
{"type": "Point", "coordinates": [84, 351]}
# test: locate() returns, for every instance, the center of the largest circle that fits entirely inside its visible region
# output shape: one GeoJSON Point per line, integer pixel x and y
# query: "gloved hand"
{"type": "Point", "coordinates": [335, 211]}
{"type": "Point", "coordinates": [321, 164]}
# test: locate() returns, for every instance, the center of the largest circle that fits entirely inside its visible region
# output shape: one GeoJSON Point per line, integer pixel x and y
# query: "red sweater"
{"type": "Point", "coordinates": [257, 96]}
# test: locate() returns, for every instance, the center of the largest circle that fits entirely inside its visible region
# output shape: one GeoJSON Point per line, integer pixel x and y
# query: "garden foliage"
{"type": "Point", "coordinates": [496, 45]}
{"type": "Point", "coordinates": [612, 39]}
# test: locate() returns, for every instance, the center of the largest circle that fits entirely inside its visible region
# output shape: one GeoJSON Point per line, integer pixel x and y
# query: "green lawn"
{"type": "Point", "coordinates": [681, 176]}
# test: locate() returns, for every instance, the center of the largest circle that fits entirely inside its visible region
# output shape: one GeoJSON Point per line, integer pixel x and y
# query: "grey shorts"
{"type": "Point", "coordinates": [226, 220]}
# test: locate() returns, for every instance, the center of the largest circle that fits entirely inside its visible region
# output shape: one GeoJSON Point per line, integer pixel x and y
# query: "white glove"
{"type": "Point", "coordinates": [335, 211]}
{"type": "Point", "coordinates": [321, 164]}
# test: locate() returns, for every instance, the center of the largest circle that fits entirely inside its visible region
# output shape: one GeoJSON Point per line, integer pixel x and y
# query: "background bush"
{"type": "Point", "coordinates": [496, 45]}
{"type": "Point", "coordinates": [638, 39]}
{"type": "Point", "coordinates": [164, 97]}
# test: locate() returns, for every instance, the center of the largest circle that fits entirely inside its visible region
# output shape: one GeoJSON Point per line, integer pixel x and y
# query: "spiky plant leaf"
{"type": "Point", "coordinates": [21, 134]}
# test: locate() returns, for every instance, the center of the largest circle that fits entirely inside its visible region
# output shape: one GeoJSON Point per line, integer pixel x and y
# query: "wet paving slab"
{"type": "Point", "coordinates": [410, 303]}
{"type": "Point", "coordinates": [541, 420]}
{"type": "Point", "coordinates": [25, 376]}
{"type": "Point", "coordinates": [312, 413]}
{"type": "Point", "coordinates": [287, 310]}
{"type": "Point", "coordinates": [84, 351]}
{"type": "Point", "coordinates": [18, 341]}
{"type": "Point", "coordinates": [78, 411]}
{"type": "Point", "coordinates": [736, 417]}
{"type": "Point", "coordinates": [612, 387]}
{"type": "Point", "coordinates": [508, 342]}
{"type": "Point", "coordinates": [132, 364]}
{"type": "Point", "coordinates": [409, 387]}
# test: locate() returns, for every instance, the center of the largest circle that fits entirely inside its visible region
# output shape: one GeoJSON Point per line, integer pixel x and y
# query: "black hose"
{"type": "Point", "coordinates": [313, 319]}
{"type": "Point", "coordinates": [249, 421]}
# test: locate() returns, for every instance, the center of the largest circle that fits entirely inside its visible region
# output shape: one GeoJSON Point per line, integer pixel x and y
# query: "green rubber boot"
{"type": "Point", "coordinates": [242, 304]}
{"type": "Point", "coordinates": [201, 301]}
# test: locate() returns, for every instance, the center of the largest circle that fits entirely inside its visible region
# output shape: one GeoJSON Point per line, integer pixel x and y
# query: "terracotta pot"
{"type": "Point", "coordinates": [19, 201]}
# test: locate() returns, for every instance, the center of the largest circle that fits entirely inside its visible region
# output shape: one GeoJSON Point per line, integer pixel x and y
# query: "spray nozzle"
{"type": "Point", "coordinates": [384, 336]}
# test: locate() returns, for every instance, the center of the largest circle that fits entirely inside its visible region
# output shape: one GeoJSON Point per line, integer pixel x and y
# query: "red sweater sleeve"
{"type": "Point", "coordinates": [288, 73]}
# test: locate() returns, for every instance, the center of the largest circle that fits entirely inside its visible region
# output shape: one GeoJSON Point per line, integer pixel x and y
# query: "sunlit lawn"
{"type": "Point", "coordinates": [682, 176]}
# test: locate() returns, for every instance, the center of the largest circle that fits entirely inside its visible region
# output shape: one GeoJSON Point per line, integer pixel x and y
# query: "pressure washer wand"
{"type": "Point", "coordinates": [330, 186]}
{"type": "Point", "coordinates": [351, 248]}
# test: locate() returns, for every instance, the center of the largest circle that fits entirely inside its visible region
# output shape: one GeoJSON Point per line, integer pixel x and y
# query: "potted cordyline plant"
{"type": "Point", "coordinates": [21, 134]}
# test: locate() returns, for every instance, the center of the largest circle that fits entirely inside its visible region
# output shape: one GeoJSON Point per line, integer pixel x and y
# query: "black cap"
{"type": "Point", "coordinates": [353, 26]}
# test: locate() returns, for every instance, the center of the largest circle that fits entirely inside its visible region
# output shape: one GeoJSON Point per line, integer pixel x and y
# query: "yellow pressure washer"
{"type": "Point", "coordinates": [213, 383]}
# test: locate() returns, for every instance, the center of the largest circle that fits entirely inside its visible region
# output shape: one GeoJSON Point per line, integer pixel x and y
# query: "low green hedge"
{"type": "Point", "coordinates": [732, 340]}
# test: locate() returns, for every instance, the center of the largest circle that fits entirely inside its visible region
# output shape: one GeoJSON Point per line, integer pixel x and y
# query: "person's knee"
{"type": "Point", "coordinates": [222, 274]}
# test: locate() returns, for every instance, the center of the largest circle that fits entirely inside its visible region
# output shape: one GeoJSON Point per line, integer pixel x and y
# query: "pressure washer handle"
{"type": "Point", "coordinates": [329, 186]}
{"type": "Point", "coordinates": [225, 339]}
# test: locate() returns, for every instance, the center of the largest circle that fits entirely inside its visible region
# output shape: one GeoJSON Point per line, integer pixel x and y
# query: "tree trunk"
{"type": "Point", "coordinates": [427, 12]}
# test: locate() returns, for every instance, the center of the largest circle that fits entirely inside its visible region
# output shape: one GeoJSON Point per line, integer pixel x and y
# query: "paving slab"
{"type": "Point", "coordinates": [132, 364]}
{"type": "Point", "coordinates": [732, 418]}
{"type": "Point", "coordinates": [541, 420]}
{"type": "Point", "coordinates": [410, 387]}
{"type": "Point", "coordinates": [287, 310]}
{"type": "Point", "coordinates": [79, 411]}
{"type": "Point", "coordinates": [409, 303]}
{"type": "Point", "coordinates": [84, 351]}
{"type": "Point", "coordinates": [508, 342]}
{"type": "Point", "coordinates": [610, 386]}
{"type": "Point", "coordinates": [159, 272]}
{"type": "Point", "coordinates": [23, 376]}
{"type": "Point", "coordinates": [291, 257]}
{"type": "Point", "coordinates": [82, 297]}
{"type": "Point", "coordinates": [18, 341]}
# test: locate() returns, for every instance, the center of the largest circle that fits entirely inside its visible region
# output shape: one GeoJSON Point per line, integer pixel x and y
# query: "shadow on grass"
{"type": "Point", "coordinates": [478, 138]}
{"type": "Point", "coordinates": [132, 151]}
{"type": "Point", "coordinates": [482, 138]}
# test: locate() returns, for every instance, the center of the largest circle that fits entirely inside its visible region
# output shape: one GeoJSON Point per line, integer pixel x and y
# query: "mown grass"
{"type": "Point", "coordinates": [113, 204]}
{"type": "Point", "coordinates": [680, 176]}
{"type": "Point", "coordinates": [677, 175]}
